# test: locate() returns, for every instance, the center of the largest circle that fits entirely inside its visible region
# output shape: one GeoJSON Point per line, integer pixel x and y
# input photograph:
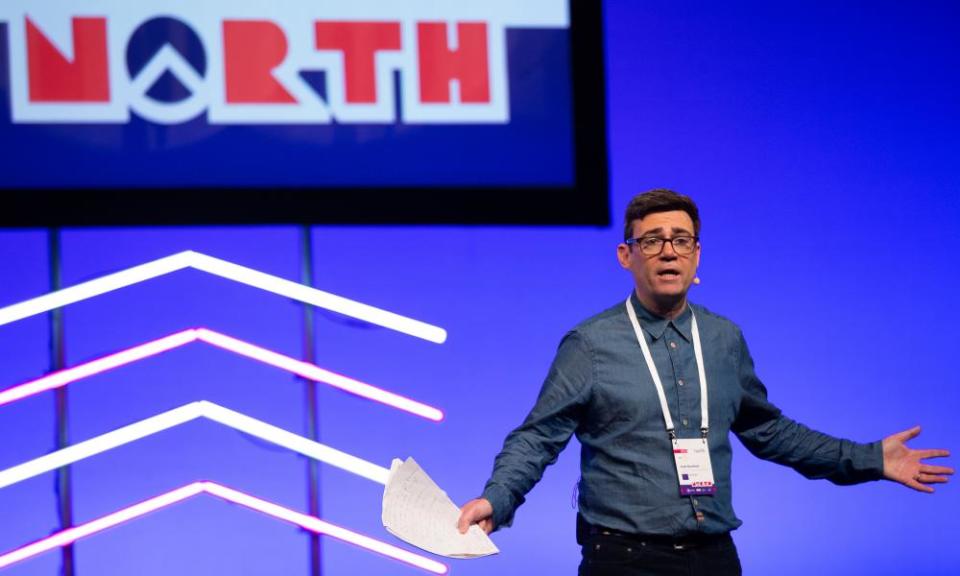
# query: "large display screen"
{"type": "Point", "coordinates": [210, 111]}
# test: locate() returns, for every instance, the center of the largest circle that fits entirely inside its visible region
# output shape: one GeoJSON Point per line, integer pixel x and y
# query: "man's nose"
{"type": "Point", "coordinates": [668, 253]}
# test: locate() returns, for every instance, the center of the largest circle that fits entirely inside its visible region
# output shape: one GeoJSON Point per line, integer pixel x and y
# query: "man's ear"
{"type": "Point", "coordinates": [623, 255]}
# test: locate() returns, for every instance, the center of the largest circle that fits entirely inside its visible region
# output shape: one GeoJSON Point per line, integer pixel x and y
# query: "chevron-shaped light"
{"type": "Point", "coordinates": [252, 351]}
{"type": "Point", "coordinates": [305, 521]}
{"type": "Point", "coordinates": [230, 271]}
{"type": "Point", "coordinates": [182, 415]}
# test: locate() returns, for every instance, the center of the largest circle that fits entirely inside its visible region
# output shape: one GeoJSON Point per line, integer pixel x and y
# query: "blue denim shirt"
{"type": "Point", "coordinates": [599, 388]}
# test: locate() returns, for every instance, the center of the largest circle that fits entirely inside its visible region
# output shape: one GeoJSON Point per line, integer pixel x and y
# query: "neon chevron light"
{"type": "Point", "coordinates": [183, 414]}
{"type": "Point", "coordinates": [230, 271]}
{"type": "Point", "coordinates": [68, 375]}
{"type": "Point", "coordinates": [305, 521]}
{"type": "Point", "coordinates": [177, 339]}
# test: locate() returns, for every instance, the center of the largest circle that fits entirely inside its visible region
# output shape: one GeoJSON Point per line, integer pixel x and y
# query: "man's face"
{"type": "Point", "coordinates": [662, 278]}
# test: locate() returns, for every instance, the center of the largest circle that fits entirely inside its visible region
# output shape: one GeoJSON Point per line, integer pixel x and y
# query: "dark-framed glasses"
{"type": "Point", "coordinates": [653, 245]}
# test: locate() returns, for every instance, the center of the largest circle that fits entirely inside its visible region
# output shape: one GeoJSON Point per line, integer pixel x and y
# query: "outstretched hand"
{"type": "Point", "coordinates": [477, 511]}
{"type": "Point", "coordinates": [903, 464]}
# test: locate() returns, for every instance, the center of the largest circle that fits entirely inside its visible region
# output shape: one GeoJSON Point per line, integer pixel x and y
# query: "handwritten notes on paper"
{"type": "Point", "coordinates": [418, 512]}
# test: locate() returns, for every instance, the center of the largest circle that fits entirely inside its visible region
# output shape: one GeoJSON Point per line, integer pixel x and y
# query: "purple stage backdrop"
{"type": "Point", "coordinates": [819, 138]}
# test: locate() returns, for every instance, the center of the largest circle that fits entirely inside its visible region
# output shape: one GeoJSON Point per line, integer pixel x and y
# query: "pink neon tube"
{"type": "Point", "coordinates": [311, 523]}
{"type": "Point", "coordinates": [178, 339]}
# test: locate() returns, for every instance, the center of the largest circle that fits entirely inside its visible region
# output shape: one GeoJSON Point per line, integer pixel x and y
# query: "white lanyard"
{"type": "Point", "coordinates": [697, 351]}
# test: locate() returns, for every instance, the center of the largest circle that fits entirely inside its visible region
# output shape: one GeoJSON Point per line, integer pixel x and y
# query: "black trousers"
{"type": "Point", "coordinates": [607, 553]}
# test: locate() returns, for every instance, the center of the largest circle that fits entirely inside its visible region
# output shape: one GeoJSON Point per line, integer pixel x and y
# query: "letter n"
{"type": "Point", "coordinates": [56, 78]}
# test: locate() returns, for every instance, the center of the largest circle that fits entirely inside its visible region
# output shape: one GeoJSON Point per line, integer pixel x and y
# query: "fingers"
{"type": "Point", "coordinates": [908, 434]}
{"type": "Point", "coordinates": [920, 487]}
{"type": "Point", "coordinates": [933, 474]}
{"type": "Point", "coordinates": [928, 475]}
{"type": "Point", "coordinates": [929, 469]}
{"type": "Point", "coordinates": [924, 454]}
{"type": "Point", "coordinates": [476, 511]}
{"type": "Point", "coordinates": [916, 482]}
{"type": "Point", "coordinates": [486, 525]}
{"type": "Point", "coordinates": [466, 518]}
{"type": "Point", "coordinates": [931, 478]}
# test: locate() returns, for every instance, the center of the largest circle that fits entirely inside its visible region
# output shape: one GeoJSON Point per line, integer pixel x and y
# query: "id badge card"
{"type": "Point", "coordinates": [694, 471]}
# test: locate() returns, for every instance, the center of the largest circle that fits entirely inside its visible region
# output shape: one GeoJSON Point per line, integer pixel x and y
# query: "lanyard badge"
{"type": "Point", "coordinates": [694, 471]}
{"type": "Point", "coordinates": [691, 456]}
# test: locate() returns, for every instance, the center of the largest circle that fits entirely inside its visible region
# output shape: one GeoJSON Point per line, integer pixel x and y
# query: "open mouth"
{"type": "Point", "coordinates": [668, 274]}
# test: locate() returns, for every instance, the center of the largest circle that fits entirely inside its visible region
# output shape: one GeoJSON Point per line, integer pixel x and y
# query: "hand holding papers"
{"type": "Point", "coordinates": [418, 512]}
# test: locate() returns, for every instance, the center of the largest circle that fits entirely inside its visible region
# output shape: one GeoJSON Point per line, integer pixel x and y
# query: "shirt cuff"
{"type": "Point", "coordinates": [502, 502]}
{"type": "Point", "coordinates": [864, 464]}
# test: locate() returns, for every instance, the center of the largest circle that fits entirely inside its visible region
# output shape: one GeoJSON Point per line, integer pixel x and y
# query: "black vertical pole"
{"type": "Point", "coordinates": [64, 487]}
{"type": "Point", "coordinates": [313, 428]}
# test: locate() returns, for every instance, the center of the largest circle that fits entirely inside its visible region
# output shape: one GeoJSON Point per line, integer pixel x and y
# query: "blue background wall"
{"type": "Point", "coordinates": [820, 140]}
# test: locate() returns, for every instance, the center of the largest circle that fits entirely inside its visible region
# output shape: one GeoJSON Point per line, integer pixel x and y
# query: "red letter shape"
{"type": "Point", "coordinates": [54, 78]}
{"type": "Point", "coordinates": [359, 42]}
{"type": "Point", "coordinates": [467, 64]}
{"type": "Point", "coordinates": [251, 50]}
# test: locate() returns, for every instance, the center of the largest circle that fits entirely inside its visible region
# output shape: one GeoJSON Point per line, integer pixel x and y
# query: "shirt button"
{"type": "Point", "coordinates": [684, 421]}
{"type": "Point", "coordinates": [696, 502]}
{"type": "Point", "coordinates": [680, 381]}
{"type": "Point", "coordinates": [673, 345]}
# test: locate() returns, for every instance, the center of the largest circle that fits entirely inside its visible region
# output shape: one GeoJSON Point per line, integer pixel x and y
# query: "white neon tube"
{"type": "Point", "coordinates": [87, 369]}
{"type": "Point", "coordinates": [311, 523]}
{"type": "Point", "coordinates": [95, 287]}
{"type": "Point", "coordinates": [230, 271]}
{"type": "Point", "coordinates": [71, 535]}
{"type": "Point", "coordinates": [319, 298]}
{"type": "Point", "coordinates": [182, 415]}
{"type": "Point", "coordinates": [321, 527]}
{"type": "Point", "coordinates": [291, 441]}
{"type": "Point", "coordinates": [99, 444]}
{"type": "Point", "coordinates": [313, 372]}
{"type": "Point", "coordinates": [141, 351]}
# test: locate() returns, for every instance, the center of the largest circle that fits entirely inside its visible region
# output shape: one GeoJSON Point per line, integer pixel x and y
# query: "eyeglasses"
{"type": "Point", "coordinates": [653, 245]}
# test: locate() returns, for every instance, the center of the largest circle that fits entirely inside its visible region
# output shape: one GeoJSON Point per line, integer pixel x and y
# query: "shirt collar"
{"type": "Point", "coordinates": [656, 325]}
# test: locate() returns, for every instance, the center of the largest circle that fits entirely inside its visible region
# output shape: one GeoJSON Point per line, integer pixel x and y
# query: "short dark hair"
{"type": "Point", "coordinates": [659, 200]}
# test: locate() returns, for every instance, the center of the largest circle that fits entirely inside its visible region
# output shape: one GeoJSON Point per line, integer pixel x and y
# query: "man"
{"type": "Point", "coordinates": [654, 494]}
